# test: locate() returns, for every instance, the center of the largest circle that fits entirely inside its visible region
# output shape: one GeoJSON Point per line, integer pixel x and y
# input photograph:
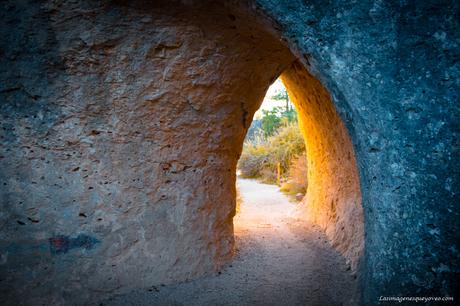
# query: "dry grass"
{"type": "Point", "coordinates": [297, 181]}
{"type": "Point", "coordinates": [260, 157]}
{"type": "Point", "coordinates": [238, 201]}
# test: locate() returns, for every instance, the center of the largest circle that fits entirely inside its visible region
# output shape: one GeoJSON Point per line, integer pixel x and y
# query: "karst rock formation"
{"type": "Point", "coordinates": [122, 123]}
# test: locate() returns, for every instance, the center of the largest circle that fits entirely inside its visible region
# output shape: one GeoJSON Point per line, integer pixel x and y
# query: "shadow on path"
{"type": "Point", "coordinates": [280, 260]}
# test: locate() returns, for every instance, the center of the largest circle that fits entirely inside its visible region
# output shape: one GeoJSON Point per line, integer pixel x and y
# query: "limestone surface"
{"type": "Point", "coordinates": [122, 123]}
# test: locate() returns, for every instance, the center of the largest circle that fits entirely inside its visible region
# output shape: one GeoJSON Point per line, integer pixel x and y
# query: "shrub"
{"type": "Point", "coordinates": [268, 176]}
{"type": "Point", "coordinates": [297, 181]}
{"type": "Point", "coordinates": [238, 201]}
{"type": "Point", "coordinates": [253, 159]}
{"type": "Point", "coordinates": [261, 156]}
{"type": "Point", "coordinates": [286, 144]}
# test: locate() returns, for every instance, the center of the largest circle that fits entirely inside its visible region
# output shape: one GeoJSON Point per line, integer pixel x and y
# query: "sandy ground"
{"type": "Point", "coordinates": [280, 260]}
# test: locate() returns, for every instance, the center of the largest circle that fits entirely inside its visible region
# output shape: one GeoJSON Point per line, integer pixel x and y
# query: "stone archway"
{"type": "Point", "coordinates": [123, 122]}
{"type": "Point", "coordinates": [334, 198]}
{"type": "Point", "coordinates": [146, 124]}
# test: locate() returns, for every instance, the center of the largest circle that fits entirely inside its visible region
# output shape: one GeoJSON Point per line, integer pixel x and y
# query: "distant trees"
{"type": "Point", "coordinates": [274, 149]}
{"type": "Point", "coordinates": [282, 95]}
{"type": "Point", "coordinates": [271, 121]}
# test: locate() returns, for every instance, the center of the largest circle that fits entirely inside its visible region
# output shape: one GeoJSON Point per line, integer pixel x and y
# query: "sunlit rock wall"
{"type": "Point", "coordinates": [333, 198]}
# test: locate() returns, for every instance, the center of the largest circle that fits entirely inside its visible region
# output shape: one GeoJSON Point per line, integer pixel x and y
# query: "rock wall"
{"type": "Point", "coordinates": [122, 122]}
{"type": "Point", "coordinates": [391, 67]}
{"type": "Point", "coordinates": [121, 127]}
{"type": "Point", "coordinates": [333, 198]}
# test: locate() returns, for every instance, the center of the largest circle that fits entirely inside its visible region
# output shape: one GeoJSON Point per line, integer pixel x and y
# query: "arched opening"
{"type": "Point", "coordinates": [154, 158]}
{"type": "Point", "coordinates": [333, 198]}
{"type": "Point", "coordinates": [278, 238]}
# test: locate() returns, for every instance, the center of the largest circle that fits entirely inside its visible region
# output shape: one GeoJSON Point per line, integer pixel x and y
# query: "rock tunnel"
{"type": "Point", "coordinates": [123, 121]}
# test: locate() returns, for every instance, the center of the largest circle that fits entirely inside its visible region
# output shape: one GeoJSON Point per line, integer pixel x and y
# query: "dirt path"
{"type": "Point", "coordinates": [281, 260]}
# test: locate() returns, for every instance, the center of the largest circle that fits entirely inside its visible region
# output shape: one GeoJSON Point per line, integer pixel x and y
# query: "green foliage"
{"type": "Point", "coordinates": [261, 156]}
{"type": "Point", "coordinates": [288, 116]}
{"type": "Point", "coordinates": [281, 96]}
{"type": "Point", "coordinates": [276, 139]}
{"type": "Point", "coordinates": [273, 119]}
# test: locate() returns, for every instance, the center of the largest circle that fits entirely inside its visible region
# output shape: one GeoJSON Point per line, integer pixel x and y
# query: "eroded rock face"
{"type": "Point", "coordinates": [122, 126]}
{"type": "Point", "coordinates": [390, 68]}
{"type": "Point", "coordinates": [122, 123]}
{"type": "Point", "coordinates": [333, 197]}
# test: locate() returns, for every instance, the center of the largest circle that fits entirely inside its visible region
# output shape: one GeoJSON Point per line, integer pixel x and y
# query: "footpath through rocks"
{"type": "Point", "coordinates": [280, 260]}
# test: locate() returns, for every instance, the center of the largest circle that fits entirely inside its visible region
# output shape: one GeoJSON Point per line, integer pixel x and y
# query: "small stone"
{"type": "Point", "coordinates": [299, 196]}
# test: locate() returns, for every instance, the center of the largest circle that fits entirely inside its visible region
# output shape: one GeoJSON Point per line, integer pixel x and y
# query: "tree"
{"type": "Point", "coordinates": [271, 121]}
{"type": "Point", "coordinates": [282, 95]}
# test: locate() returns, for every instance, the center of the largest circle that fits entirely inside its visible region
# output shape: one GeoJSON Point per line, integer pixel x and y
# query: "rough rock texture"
{"type": "Point", "coordinates": [122, 126]}
{"type": "Point", "coordinates": [391, 68]}
{"type": "Point", "coordinates": [333, 197]}
{"type": "Point", "coordinates": [282, 259]}
{"type": "Point", "coordinates": [122, 123]}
